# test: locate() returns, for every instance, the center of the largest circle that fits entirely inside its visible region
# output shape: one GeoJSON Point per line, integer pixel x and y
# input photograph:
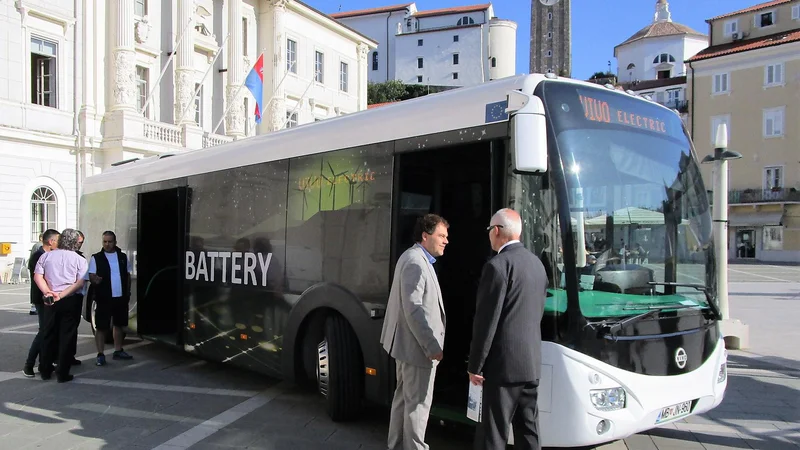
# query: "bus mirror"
{"type": "Point", "coordinates": [528, 133]}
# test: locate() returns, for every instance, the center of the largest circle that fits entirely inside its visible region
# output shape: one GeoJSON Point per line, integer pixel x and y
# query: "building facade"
{"type": "Point", "coordinates": [652, 61]}
{"type": "Point", "coordinates": [551, 37]}
{"type": "Point", "coordinates": [460, 46]}
{"type": "Point", "coordinates": [87, 84]}
{"type": "Point", "coordinates": [748, 80]}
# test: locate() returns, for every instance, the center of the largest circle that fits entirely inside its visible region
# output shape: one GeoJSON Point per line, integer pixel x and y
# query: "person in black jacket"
{"type": "Point", "coordinates": [505, 353]}
{"type": "Point", "coordinates": [49, 242]}
{"type": "Point", "coordinates": [109, 273]}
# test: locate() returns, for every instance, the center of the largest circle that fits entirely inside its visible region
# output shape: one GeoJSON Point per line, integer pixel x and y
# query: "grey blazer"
{"type": "Point", "coordinates": [506, 333]}
{"type": "Point", "coordinates": [413, 329]}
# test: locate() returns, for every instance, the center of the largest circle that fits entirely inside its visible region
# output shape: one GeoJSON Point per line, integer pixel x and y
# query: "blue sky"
{"type": "Point", "coordinates": [597, 26]}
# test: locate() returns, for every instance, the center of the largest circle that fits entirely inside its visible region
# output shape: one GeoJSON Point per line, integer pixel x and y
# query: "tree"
{"type": "Point", "coordinates": [389, 91]}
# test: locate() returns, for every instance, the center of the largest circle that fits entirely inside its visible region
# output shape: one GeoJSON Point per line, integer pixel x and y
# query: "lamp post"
{"type": "Point", "coordinates": [735, 332]}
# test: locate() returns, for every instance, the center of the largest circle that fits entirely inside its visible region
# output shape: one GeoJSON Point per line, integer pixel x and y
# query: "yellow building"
{"type": "Point", "coordinates": [749, 79]}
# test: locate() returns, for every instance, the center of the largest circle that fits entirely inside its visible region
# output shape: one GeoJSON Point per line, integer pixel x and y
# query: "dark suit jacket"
{"type": "Point", "coordinates": [36, 294]}
{"type": "Point", "coordinates": [506, 332]}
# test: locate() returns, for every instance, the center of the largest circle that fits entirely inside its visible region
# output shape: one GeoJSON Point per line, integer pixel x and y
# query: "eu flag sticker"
{"type": "Point", "coordinates": [496, 111]}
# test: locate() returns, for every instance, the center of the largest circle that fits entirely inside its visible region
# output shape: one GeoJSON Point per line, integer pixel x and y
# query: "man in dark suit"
{"type": "Point", "coordinates": [505, 354]}
{"type": "Point", "coordinates": [49, 242]}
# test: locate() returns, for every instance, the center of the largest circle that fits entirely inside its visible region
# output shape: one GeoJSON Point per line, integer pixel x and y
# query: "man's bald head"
{"type": "Point", "coordinates": [506, 225]}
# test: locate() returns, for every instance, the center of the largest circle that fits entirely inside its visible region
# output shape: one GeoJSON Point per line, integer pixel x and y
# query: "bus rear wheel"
{"type": "Point", "coordinates": [339, 374]}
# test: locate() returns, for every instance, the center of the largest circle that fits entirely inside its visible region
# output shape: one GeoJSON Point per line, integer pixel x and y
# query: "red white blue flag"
{"type": "Point", "coordinates": [255, 82]}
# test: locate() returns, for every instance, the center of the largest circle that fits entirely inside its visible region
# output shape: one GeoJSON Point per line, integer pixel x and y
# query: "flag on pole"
{"type": "Point", "coordinates": [255, 83]}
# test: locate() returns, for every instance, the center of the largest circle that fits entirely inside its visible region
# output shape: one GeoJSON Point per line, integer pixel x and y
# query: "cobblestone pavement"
{"type": "Point", "coordinates": [169, 400]}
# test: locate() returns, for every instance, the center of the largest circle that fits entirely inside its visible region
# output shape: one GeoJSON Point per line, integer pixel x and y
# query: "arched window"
{"type": "Point", "coordinates": [466, 20]}
{"type": "Point", "coordinates": [664, 57]}
{"type": "Point", "coordinates": [43, 211]}
{"type": "Point", "coordinates": [375, 60]}
{"type": "Point", "coordinates": [631, 66]}
{"type": "Point", "coordinates": [494, 61]}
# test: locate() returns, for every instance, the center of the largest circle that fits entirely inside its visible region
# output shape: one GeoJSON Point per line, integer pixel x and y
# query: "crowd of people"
{"type": "Point", "coordinates": [62, 278]}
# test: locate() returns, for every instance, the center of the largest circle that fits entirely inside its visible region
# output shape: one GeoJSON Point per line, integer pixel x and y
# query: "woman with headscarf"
{"type": "Point", "coordinates": [59, 275]}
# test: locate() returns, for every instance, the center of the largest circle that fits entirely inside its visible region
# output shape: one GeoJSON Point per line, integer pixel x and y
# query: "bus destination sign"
{"type": "Point", "coordinates": [605, 111]}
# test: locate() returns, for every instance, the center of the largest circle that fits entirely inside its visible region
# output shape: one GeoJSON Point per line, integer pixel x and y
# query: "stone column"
{"type": "Point", "coordinates": [234, 122]}
{"type": "Point", "coordinates": [184, 64]}
{"type": "Point", "coordinates": [123, 57]}
{"type": "Point", "coordinates": [363, 51]}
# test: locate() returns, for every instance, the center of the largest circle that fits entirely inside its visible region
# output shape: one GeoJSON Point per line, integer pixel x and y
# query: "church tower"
{"type": "Point", "coordinates": [551, 37]}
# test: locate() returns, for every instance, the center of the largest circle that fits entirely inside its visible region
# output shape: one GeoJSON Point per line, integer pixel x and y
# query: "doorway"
{"type": "Point", "coordinates": [455, 183]}
{"type": "Point", "coordinates": [745, 243]}
{"type": "Point", "coordinates": [162, 225]}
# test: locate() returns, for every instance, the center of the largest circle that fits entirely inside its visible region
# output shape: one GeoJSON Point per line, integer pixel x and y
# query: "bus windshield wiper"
{"type": "Point", "coordinates": [612, 329]}
{"type": "Point", "coordinates": [700, 287]}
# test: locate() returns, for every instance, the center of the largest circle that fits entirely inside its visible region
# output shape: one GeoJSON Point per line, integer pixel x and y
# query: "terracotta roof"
{"type": "Point", "coordinates": [652, 84]}
{"type": "Point", "coordinates": [366, 12]}
{"type": "Point", "coordinates": [658, 29]}
{"type": "Point", "coordinates": [378, 105]}
{"type": "Point", "coordinates": [743, 46]}
{"type": "Point", "coordinates": [758, 7]}
{"type": "Point", "coordinates": [456, 10]}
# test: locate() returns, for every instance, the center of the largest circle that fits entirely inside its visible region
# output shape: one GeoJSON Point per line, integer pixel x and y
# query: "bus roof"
{"type": "Point", "coordinates": [446, 111]}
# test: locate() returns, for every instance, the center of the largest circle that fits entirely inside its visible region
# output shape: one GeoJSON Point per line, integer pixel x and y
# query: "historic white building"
{"type": "Point", "coordinates": [83, 88]}
{"type": "Point", "coordinates": [652, 60]}
{"type": "Point", "coordinates": [460, 46]}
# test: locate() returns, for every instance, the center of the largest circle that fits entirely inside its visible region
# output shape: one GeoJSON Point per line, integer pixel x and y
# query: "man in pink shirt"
{"type": "Point", "coordinates": [59, 275]}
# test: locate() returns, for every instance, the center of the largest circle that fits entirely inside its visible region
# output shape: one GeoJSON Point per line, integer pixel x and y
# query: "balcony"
{"type": "Point", "coordinates": [778, 195]}
{"type": "Point", "coordinates": [682, 106]}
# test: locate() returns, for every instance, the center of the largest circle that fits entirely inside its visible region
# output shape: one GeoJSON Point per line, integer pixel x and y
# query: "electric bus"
{"type": "Point", "coordinates": [275, 253]}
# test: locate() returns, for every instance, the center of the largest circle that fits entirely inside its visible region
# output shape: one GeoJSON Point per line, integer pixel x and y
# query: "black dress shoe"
{"type": "Point", "coordinates": [46, 375]}
{"type": "Point", "coordinates": [76, 362]}
{"type": "Point", "coordinates": [65, 378]}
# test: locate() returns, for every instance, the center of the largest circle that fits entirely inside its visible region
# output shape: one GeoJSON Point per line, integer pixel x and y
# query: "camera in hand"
{"type": "Point", "coordinates": [48, 300]}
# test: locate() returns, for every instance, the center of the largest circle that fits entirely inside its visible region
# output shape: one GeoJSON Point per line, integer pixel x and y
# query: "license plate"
{"type": "Point", "coordinates": [674, 411]}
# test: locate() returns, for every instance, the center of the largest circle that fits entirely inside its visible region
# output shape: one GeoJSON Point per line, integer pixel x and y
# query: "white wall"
{"type": "Point", "coordinates": [437, 52]}
{"type": "Point", "coordinates": [642, 52]}
{"type": "Point", "coordinates": [450, 20]}
{"type": "Point", "coordinates": [503, 48]}
{"type": "Point", "coordinates": [375, 27]}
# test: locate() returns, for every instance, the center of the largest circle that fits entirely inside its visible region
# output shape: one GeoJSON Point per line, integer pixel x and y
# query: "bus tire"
{"type": "Point", "coordinates": [339, 374]}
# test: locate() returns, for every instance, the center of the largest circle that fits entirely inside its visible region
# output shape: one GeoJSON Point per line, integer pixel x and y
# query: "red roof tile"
{"type": "Point", "coordinates": [366, 12]}
{"type": "Point", "coordinates": [456, 10]}
{"type": "Point", "coordinates": [658, 29]}
{"type": "Point", "coordinates": [758, 7]}
{"type": "Point", "coordinates": [378, 105]}
{"type": "Point", "coordinates": [743, 46]}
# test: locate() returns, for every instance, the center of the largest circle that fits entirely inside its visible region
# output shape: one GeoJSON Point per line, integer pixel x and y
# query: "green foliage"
{"type": "Point", "coordinates": [395, 90]}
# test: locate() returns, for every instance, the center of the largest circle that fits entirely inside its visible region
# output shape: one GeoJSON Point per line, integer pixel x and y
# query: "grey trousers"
{"type": "Point", "coordinates": [411, 406]}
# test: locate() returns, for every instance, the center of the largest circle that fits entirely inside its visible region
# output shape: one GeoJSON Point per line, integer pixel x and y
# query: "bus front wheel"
{"type": "Point", "coordinates": [339, 374]}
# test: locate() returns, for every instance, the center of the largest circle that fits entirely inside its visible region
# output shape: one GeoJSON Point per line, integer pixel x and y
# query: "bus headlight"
{"type": "Point", "coordinates": [723, 373]}
{"type": "Point", "coordinates": [610, 399]}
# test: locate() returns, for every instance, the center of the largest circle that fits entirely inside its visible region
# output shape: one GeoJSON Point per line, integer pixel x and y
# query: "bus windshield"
{"type": "Point", "coordinates": [639, 214]}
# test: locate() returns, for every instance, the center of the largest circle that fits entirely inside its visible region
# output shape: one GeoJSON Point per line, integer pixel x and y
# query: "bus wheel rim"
{"type": "Point", "coordinates": [322, 367]}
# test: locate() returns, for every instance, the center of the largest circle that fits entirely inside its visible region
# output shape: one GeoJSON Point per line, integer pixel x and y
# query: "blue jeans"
{"type": "Point", "coordinates": [36, 345]}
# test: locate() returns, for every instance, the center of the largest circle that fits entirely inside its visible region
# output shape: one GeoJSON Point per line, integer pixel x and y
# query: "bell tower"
{"type": "Point", "coordinates": [551, 37]}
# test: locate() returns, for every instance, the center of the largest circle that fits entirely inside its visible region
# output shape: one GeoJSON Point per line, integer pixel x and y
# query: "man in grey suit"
{"type": "Point", "coordinates": [413, 333]}
{"type": "Point", "coordinates": [505, 354]}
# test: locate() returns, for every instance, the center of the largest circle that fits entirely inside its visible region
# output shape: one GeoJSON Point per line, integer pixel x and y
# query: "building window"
{"type": "Point", "coordinates": [796, 12]}
{"type": "Point", "coordinates": [198, 105]}
{"type": "Point", "coordinates": [43, 72]}
{"type": "Point", "coordinates": [773, 122]}
{"type": "Point", "coordinates": [549, 16]}
{"type": "Point", "coordinates": [455, 38]}
{"type": "Point", "coordinates": [419, 78]}
{"type": "Point", "coordinates": [631, 66]}
{"type": "Point", "coordinates": [765, 19]}
{"type": "Point", "coordinates": [772, 238]}
{"type": "Point", "coordinates": [721, 83]}
{"type": "Point", "coordinates": [44, 211]}
{"type": "Point", "coordinates": [319, 65]}
{"type": "Point", "coordinates": [140, 8]}
{"type": "Point", "coordinates": [549, 35]}
{"type": "Point", "coordinates": [494, 61]}
{"type": "Point", "coordinates": [773, 75]}
{"type": "Point", "coordinates": [343, 77]}
{"type": "Point", "coordinates": [419, 63]}
{"type": "Point", "coordinates": [549, 53]}
{"type": "Point", "coordinates": [664, 57]}
{"type": "Point", "coordinates": [419, 42]}
{"type": "Point", "coordinates": [455, 59]}
{"type": "Point", "coordinates": [291, 56]}
{"type": "Point", "coordinates": [455, 75]}
{"type": "Point", "coordinates": [466, 20]}
{"type": "Point", "coordinates": [773, 177]}
{"type": "Point", "coordinates": [374, 60]}
{"type": "Point", "coordinates": [244, 36]}
{"type": "Point", "coordinates": [673, 96]}
{"type": "Point", "coordinates": [731, 26]}
{"type": "Point", "coordinates": [291, 119]}
{"type": "Point", "coordinates": [663, 74]}
{"type": "Point", "coordinates": [716, 121]}
{"type": "Point", "coordinates": [142, 75]}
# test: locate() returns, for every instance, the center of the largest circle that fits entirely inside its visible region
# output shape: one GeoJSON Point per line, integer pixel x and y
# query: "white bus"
{"type": "Point", "coordinates": [275, 253]}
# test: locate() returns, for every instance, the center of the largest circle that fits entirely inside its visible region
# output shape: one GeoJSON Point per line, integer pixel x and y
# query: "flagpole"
{"type": "Point", "coordinates": [200, 85]}
{"type": "Point", "coordinates": [164, 70]}
{"type": "Point", "coordinates": [235, 96]}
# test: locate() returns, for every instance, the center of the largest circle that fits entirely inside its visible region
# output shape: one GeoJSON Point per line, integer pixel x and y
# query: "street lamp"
{"type": "Point", "coordinates": [735, 332]}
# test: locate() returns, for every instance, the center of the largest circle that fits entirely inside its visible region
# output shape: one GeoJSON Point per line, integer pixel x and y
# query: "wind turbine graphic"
{"type": "Point", "coordinates": [353, 180]}
{"type": "Point", "coordinates": [305, 192]}
{"type": "Point", "coordinates": [332, 181]}
{"type": "Point", "coordinates": [364, 185]}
